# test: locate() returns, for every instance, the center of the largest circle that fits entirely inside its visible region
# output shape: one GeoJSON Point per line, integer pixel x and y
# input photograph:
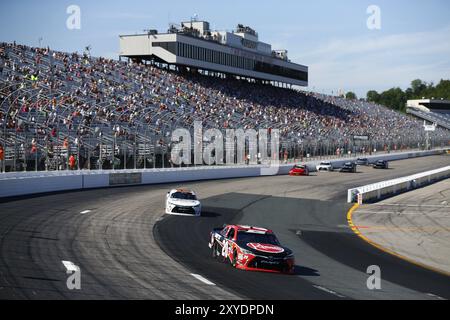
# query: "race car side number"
{"type": "Point", "coordinates": [225, 248]}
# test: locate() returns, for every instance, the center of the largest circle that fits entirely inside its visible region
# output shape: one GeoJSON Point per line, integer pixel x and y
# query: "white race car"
{"type": "Point", "coordinates": [325, 166]}
{"type": "Point", "coordinates": [182, 202]}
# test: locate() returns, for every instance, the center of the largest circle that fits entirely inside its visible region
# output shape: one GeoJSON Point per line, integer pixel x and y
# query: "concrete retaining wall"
{"type": "Point", "coordinates": [23, 183]}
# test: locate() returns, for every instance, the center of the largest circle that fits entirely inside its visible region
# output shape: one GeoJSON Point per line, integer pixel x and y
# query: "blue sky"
{"type": "Point", "coordinates": [331, 37]}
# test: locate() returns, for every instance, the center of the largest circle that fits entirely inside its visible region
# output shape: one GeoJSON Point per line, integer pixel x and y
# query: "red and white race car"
{"type": "Point", "coordinates": [299, 170]}
{"type": "Point", "coordinates": [251, 248]}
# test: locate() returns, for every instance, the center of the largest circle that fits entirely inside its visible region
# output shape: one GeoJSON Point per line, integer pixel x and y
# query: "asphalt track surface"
{"type": "Point", "coordinates": [127, 248]}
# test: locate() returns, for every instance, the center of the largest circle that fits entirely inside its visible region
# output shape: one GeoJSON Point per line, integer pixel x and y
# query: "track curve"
{"type": "Point", "coordinates": [117, 242]}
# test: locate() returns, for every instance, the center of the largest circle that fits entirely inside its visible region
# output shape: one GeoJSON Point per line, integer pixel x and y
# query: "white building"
{"type": "Point", "coordinates": [193, 45]}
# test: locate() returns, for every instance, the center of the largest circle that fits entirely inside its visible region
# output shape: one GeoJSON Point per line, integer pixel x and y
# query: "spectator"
{"type": "Point", "coordinates": [72, 162]}
{"type": "Point", "coordinates": [2, 158]}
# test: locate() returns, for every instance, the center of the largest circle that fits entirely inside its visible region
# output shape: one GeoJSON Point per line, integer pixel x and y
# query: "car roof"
{"type": "Point", "coordinates": [251, 229]}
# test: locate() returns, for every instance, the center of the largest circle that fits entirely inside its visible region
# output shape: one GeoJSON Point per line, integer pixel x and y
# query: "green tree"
{"type": "Point", "coordinates": [350, 95]}
{"type": "Point", "coordinates": [418, 87]}
{"type": "Point", "coordinates": [442, 90]}
{"type": "Point", "coordinates": [373, 96]}
{"type": "Point", "coordinates": [394, 98]}
{"type": "Point", "coordinates": [409, 94]}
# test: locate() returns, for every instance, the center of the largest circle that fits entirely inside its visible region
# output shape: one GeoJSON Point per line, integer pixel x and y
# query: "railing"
{"type": "Point", "coordinates": [383, 189]}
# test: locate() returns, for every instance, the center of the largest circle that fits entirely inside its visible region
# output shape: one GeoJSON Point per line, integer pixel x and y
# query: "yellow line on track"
{"type": "Point", "coordinates": [380, 247]}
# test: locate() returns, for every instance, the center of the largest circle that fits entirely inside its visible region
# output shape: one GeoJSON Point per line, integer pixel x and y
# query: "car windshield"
{"type": "Point", "coordinates": [184, 195]}
{"type": "Point", "coordinates": [249, 237]}
{"type": "Point", "coordinates": [299, 167]}
{"type": "Point", "coordinates": [325, 163]}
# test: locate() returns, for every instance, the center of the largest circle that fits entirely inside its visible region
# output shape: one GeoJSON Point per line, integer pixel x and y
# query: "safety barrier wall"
{"type": "Point", "coordinates": [385, 189]}
{"type": "Point", "coordinates": [24, 183]}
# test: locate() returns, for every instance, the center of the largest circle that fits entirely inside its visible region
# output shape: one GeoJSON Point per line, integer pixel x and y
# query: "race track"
{"type": "Point", "coordinates": [127, 249]}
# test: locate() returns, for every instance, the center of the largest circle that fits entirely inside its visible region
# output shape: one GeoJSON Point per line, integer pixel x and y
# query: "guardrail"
{"type": "Point", "coordinates": [25, 183]}
{"type": "Point", "coordinates": [381, 190]}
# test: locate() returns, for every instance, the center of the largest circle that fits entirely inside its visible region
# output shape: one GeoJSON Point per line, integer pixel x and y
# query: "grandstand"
{"type": "Point", "coordinates": [114, 114]}
{"type": "Point", "coordinates": [432, 110]}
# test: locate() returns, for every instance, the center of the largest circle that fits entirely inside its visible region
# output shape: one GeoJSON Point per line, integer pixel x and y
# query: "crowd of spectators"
{"type": "Point", "coordinates": [81, 98]}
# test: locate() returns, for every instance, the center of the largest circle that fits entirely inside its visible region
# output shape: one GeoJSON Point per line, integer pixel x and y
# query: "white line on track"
{"type": "Point", "coordinates": [204, 280]}
{"type": "Point", "coordinates": [70, 266]}
{"type": "Point", "coordinates": [85, 211]}
{"type": "Point", "coordinates": [329, 291]}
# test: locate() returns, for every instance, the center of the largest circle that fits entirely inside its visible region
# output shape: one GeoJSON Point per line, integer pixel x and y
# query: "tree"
{"type": "Point", "coordinates": [442, 90]}
{"type": "Point", "coordinates": [350, 95]}
{"type": "Point", "coordinates": [418, 87]}
{"type": "Point", "coordinates": [373, 96]}
{"type": "Point", "coordinates": [409, 94]}
{"type": "Point", "coordinates": [396, 98]}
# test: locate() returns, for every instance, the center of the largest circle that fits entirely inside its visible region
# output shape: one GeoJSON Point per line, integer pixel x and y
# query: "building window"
{"type": "Point", "coordinates": [222, 58]}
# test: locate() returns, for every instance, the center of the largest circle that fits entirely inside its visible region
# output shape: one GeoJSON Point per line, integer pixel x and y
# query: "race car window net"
{"type": "Point", "coordinates": [230, 234]}
{"type": "Point", "coordinates": [184, 196]}
{"type": "Point", "coordinates": [249, 237]}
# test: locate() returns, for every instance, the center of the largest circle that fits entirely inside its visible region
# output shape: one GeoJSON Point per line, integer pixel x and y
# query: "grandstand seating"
{"type": "Point", "coordinates": [53, 104]}
{"type": "Point", "coordinates": [440, 118]}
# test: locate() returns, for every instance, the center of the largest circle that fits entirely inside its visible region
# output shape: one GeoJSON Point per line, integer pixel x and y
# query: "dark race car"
{"type": "Point", "coordinates": [381, 164]}
{"type": "Point", "coordinates": [362, 161]}
{"type": "Point", "coordinates": [251, 248]}
{"type": "Point", "coordinates": [348, 167]}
